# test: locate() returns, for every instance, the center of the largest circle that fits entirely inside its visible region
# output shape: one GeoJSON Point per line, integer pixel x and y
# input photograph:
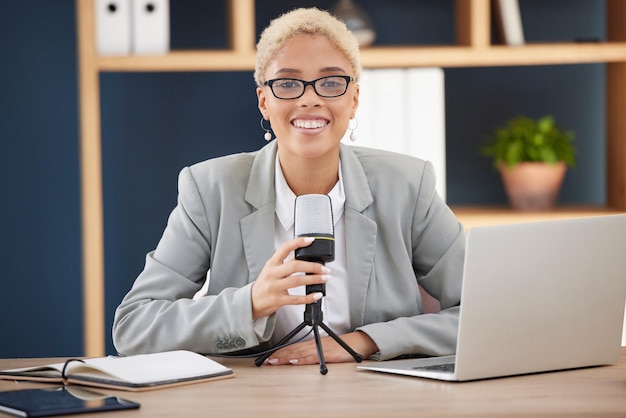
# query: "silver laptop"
{"type": "Point", "coordinates": [536, 297]}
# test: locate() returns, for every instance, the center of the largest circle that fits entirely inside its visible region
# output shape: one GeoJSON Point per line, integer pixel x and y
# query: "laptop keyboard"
{"type": "Point", "coordinates": [446, 367]}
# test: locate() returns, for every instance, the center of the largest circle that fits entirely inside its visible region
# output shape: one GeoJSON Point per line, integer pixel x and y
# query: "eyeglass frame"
{"type": "Point", "coordinates": [270, 84]}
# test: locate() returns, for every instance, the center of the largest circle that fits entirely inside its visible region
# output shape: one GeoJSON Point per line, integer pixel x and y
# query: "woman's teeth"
{"type": "Point", "coordinates": [309, 124]}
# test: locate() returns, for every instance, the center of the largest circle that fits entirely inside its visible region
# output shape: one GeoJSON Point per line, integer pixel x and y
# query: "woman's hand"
{"type": "Point", "coordinates": [270, 291]}
{"type": "Point", "coordinates": [306, 352]}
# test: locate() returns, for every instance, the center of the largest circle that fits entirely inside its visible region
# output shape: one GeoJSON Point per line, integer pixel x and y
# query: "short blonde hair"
{"type": "Point", "coordinates": [305, 21]}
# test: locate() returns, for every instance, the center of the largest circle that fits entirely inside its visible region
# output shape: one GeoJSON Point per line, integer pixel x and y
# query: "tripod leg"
{"type": "Point", "coordinates": [357, 357]}
{"type": "Point", "coordinates": [260, 360]}
{"type": "Point", "coordinates": [320, 352]}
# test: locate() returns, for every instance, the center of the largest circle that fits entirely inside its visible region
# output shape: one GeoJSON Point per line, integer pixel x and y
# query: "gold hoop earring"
{"type": "Point", "coordinates": [352, 128]}
{"type": "Point", "coordinates": [268, 133]}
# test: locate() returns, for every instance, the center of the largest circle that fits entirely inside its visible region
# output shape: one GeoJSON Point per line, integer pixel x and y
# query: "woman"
{"type": "Point", "coordinates": [235, 218]}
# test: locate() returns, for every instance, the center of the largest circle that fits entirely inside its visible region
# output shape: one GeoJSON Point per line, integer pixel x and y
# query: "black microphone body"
{"type": "Point", "coordinates": [322, 250]}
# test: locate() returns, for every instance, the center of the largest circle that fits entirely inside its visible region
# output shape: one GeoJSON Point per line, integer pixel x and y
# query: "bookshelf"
{"type": "Point", "coordinates": [472, 49]}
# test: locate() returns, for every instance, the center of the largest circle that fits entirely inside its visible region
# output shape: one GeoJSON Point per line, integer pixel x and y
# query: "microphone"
{"type": "Point", "coordinates": [313, 217]}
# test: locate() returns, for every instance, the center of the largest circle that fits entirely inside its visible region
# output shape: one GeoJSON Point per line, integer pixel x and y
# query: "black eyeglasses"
{"type": "Point", "coordinates": [292, 88]}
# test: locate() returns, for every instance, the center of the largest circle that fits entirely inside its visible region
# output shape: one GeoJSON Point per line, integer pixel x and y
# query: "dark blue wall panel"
{"type": "Point", "coordinates": [153, 124]}
{"type": "Point", "coordinates": [40, 291]}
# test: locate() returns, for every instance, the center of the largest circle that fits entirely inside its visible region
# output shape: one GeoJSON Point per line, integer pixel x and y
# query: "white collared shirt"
{"type": "Point", "coordinates": [335, 304]}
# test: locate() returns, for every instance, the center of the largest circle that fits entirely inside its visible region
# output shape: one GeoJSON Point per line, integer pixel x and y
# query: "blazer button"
{"type": "Point", "coordinates": [230, 343]}
{"type": "Point", "coordinates": [240, 342]}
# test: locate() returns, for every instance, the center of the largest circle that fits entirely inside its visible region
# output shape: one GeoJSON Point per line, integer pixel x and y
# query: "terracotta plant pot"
{"type": "Point", "coordinates": [533, 186]}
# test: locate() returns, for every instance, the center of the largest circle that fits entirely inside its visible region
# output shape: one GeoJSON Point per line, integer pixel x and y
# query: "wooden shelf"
{"type": "Point", "coordinates": [211, 60]}
{"type": "Point", "coordinates": [464, 56]}
{"type": "Point", "coordinates": [472, 49]}
{"type": "Point", "coordinates": [472, 216]}
{"type": "Point", "coordinates": [382, 57]}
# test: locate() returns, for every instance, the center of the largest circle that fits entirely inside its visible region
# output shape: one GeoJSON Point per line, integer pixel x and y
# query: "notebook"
{"type": "Point", "coordinates": [133, 373]}
{"type": "Point", "coordinates": [536, 297]}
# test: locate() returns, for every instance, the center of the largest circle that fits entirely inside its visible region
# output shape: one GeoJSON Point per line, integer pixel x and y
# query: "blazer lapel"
{"type": "Point", "coordinates": [257, 229]}
{"type": "Point", "coordinates": [360, 233]}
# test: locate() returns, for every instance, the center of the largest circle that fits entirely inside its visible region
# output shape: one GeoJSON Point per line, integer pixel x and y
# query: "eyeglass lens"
{"type": "Point", "coordinates": [289, 88]}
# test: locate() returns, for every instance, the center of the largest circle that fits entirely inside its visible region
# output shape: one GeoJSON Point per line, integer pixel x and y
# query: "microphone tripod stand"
{"type": "Point", "coordinates": [313, 317]}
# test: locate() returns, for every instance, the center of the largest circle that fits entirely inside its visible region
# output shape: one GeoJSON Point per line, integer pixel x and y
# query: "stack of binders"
{"type": "Point", "coordinates": [403, 110]}
{"type": "Point", "coordinates": [132, 26]}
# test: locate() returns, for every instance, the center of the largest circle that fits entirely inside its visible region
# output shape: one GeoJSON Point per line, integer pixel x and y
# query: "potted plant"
{"type": "Point", "coordinates": [532, 157]}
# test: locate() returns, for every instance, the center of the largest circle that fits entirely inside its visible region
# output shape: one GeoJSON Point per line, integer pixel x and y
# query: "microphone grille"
{"type": "Point", "coordinates": [313, 214]}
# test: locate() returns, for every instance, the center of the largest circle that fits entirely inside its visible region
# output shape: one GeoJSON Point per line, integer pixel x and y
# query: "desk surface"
{"type": "Point", "coordinates": [345, 391]}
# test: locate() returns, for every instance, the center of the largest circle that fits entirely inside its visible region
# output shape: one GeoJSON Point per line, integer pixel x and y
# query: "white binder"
{"type": "Point", "coordinates": [151, 26]}
{"type": "Point", "coordinates": [509, 21]}
{"type": "Point", "coordinates": [403, 110]}
{"type": "Point", "coordinates": [113, 33]}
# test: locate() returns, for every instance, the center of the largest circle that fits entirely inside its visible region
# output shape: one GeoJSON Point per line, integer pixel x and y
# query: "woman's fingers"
{"type": "Point", "coordinates": [270, 291]}
{"type": "Point", "coordinates": [289, 246]}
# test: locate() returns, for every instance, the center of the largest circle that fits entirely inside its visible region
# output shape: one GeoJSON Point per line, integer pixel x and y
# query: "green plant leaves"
{"type": "Point", "coordinates": [524, 139]}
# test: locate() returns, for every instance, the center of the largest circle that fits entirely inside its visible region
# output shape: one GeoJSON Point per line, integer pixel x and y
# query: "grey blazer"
{"type": "Point", "coordinates": [399, 234]}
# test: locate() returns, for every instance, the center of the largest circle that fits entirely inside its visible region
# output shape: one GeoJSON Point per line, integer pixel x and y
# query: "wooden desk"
{"type": "Point", "coordinates": [301, 391]}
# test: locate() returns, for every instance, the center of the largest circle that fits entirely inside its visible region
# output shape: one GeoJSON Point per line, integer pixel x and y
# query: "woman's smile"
{"type": "Point", "coordinates": [309, 125]}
